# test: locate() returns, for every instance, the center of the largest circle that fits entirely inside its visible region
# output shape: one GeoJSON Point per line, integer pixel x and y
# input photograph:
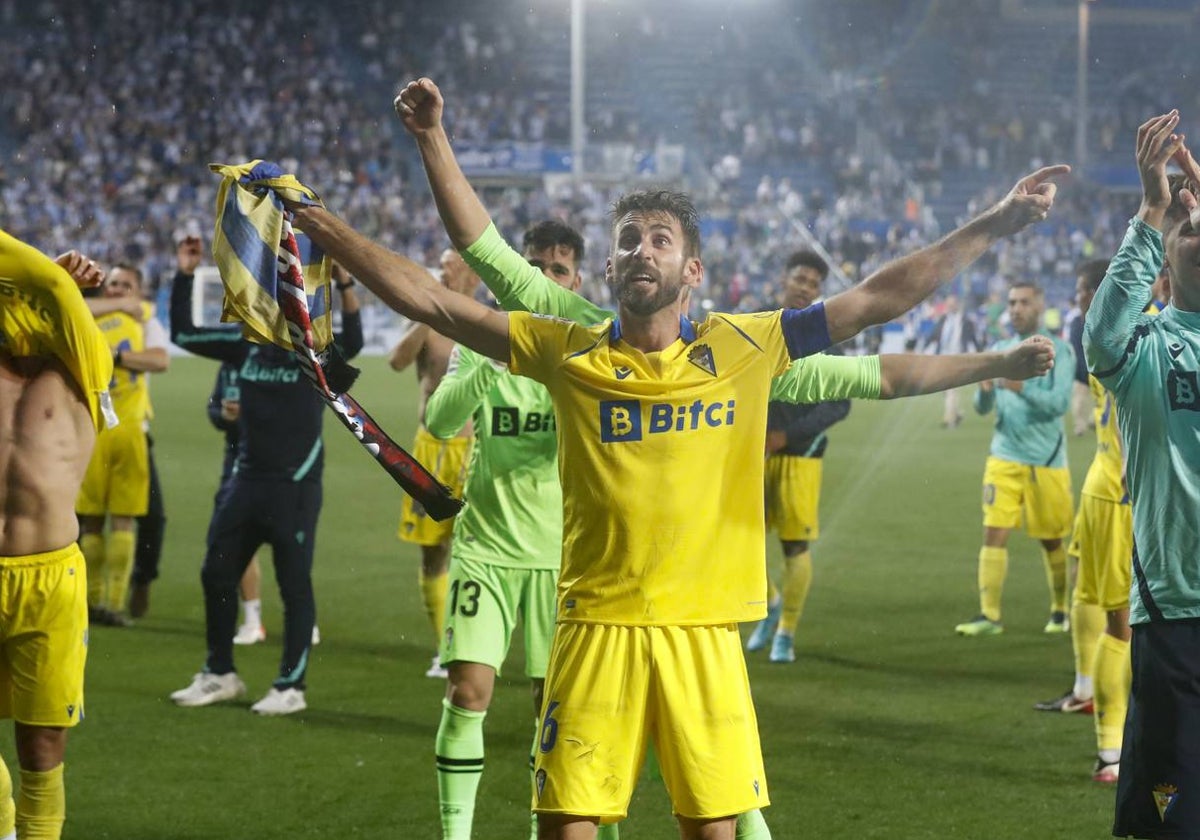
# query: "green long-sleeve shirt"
{"type": "Point", "coordinates": [1152, 366]}
{"type": "Point", "coordinates": [513, 516]}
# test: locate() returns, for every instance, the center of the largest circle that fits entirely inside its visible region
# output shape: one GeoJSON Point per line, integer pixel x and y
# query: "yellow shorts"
{"type": "Point", "coordinates": [1103, 542]}
{"type": "Point", "coordinates": [1042, 494]}
{"type": "Point", "coordinates": [446, 459]}
{"type": "Point", "coordinates": [793, 492]}
{"type": "Point", "coordinates": [43, 637]}
{"type": "Point", "coordinates": [117, 480]}
{"type": "Point", "coordinates": [611, 689]}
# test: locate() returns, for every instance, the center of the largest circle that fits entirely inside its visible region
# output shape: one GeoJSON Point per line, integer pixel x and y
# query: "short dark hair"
{"type": "Point", "coordinates": [808, 259]}
{"type": "Point", "coordinates": [1092, 272]}
{"type": "Point", "coordinates": [550, 234]}
{"type": "Point", "coordinates": [1176, 210]}
{"type": "Point", "coordinates": [1027, 284]}
{"type": "Point", "coordinates": [671, 202]}
{"type": "Point", "coordinates": [132, 269]}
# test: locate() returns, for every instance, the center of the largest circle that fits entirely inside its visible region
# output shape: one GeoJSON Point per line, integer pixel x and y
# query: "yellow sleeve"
{"type": "Point", "coordinates": [540, 343]}
{"type": "Point", "coordinates": [764, 329]}
{"type": "Point", "coordinates": [42, 313]}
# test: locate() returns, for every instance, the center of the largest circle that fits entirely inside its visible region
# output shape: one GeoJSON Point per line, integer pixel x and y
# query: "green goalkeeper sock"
{"type": "Point", "coordinates": [752, 826]}
{"type": "Point", "coordinates": [459, 754]}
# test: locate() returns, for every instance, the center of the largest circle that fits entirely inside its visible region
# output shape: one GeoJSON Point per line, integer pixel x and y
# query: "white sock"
{"type": "Point", "coordinates": [1083, 687]}
{"type": "Point", "coordinates": [252, 613]}
{"type": "Point", "coordinates": [1110, 756]}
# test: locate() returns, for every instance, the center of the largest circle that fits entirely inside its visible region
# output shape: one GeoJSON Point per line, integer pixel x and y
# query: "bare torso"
{"type": "Point", "coordinates": [46, 439]}
{"type": "Point", "coordinates": [431, 367]}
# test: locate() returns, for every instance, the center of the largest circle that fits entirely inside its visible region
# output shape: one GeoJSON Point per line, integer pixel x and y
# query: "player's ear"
{"type": "Point", "coordinates": [693, 272]}
{"type": "Point", "coordinates": [608, 271]}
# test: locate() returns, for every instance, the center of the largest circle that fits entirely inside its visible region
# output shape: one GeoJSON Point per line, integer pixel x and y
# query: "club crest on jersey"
{"type": "Point", "coordinates": [1164, 798]}
{"type": "Point", "coordinates": [701, 356]}
{"type": "Point", "coordinates": [623, 421]}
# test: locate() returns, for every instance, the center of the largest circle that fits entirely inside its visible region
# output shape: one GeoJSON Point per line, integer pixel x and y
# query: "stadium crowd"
{"type": "Point", "coordinates": [312, 84]}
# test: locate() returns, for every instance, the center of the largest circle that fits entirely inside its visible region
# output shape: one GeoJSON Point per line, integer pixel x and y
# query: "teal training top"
{"type": "Point", "coordinates": [513, 516]}
{"type": "Point", "coordinates": [1029, 424]}
{"type": "Point", "coordinates": [520, 287]}
{"type": "Point", "coordinates": [1152, 365]}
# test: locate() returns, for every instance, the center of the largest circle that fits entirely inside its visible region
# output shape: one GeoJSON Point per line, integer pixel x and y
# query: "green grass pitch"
{"type": "Point", "coordinates": [887, 726]}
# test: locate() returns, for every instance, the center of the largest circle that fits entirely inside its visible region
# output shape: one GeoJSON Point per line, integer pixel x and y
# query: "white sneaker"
{"type": "Point", "coordinates": [436, 671]}
{"type": "Point", "coordinates": [316, 636]}
{"type": "Point", "coordinates": [280, 702]}
{"type": "Point", "coordinates": [250, 634]}
{"type": "Point", "coordinates": [207, 689]}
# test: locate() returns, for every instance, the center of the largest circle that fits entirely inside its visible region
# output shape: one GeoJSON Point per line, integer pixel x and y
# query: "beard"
{"type": "Point", "coordinates": [644, 302]}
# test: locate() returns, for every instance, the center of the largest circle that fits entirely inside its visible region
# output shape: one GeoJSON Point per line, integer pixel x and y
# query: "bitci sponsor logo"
{"type": "Point", "coordinates": [623, 421]}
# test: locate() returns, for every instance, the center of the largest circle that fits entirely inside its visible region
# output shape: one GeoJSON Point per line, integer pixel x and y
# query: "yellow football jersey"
{"type": "Point", "coordinates": [42, 313]}
{"type": "Point", "coordinates": [1104, 475]}
{"type": "Point", "coordinates": [661, 463]}
{"type": "Point", "coordinates": [130, 389]}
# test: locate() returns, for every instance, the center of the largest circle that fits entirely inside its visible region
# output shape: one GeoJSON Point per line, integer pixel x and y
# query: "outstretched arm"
{"type": "Point", "coordinates": [1116, 311]}
{"type": "Point", "coordinates": [516, 284]}
{"type": "Point", "coordinates": [406, 287]}
{"type": "Point", "coordinates": [902, 284]}
{"type": "Point", "coordinates": [420, 107]}
{"type": "Point", "coordinates": [910, 374]}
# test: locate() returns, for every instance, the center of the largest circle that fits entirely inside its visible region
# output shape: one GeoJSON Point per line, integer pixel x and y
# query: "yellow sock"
{"type": "Point", "coordinates": [772, 590]}
{"type": "Point", "coordinates": [1087, 623]}
{"type": "Point", "coordinates": [92, 546]}
{"type": "Point", "coordinates": [8, 811]}
{"type": "Point", "coordinates": [433, 596]}
{"type": "Point", "coordinates": [797, 578]}
{"type": "Point", "coordinates": [41, 805]}
{"type": "Point", "coordinates": [1056, 577]}
{"type": "Point", "coordinates": [993, 569]}
{"type": "Point", "coordinates": [1113, 678]}
{"type": "Point", "coordinates": [118, 566]}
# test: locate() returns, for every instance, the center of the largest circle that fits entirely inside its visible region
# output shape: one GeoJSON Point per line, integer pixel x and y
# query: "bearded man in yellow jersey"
{"type": "Point", "coordinates": [55, 368]}
{"type": "Point", "coordinates": [117, 483]}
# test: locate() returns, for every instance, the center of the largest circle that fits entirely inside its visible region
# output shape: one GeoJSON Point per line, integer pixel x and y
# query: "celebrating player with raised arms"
{"type": "Point", "coordinates": [1151, 364]}
{"type": "Point", "coordinates": [658, 417]}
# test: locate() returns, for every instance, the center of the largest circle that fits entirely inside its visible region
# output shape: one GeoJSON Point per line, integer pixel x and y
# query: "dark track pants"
{"type": "Point", "coordinates": [282, 514]}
